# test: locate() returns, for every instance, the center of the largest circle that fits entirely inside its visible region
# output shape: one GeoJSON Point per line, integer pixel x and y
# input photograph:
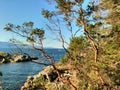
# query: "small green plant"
{"type": "Point", "coordinates": [40, 82]}
{"type": "Point", "coordinates": [64, 59]}
{"type": "Point", "coordinates": [65, 87]}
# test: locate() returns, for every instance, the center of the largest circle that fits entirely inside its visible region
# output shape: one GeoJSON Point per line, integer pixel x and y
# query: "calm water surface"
{"type": "Point", "coordinates": [15, 74]}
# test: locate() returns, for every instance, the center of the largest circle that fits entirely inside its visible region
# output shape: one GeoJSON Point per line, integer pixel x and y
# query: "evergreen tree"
{"type": "Point", "coordinates": [99, 69]}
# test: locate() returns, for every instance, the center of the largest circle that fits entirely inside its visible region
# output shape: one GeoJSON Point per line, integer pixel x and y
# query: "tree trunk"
{"type": "Point", "coordinates": [95, 47]}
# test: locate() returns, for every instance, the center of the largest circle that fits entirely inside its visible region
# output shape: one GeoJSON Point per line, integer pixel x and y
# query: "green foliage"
{"type": "Point", "coordinates": [78, 43]}
{"type": "Point", "coordinates": [93, 20]}
{"type": "Point", "coordinates": [26, 31]}
{"type": "Point", "coordinates": [27, 24]}
{"type": "Point", "coordinates": [41, 80]}
{"type": "Point", "coordinates": [114, 74]}
{"type": "Point", "coordinates": [65, 87]}
{"type": "Point", "coordinates": [76, 46]}
{"type": "Point", "coordinates": [47, 14]}
{"type": "Point", "coordinates": [40, 83]}
{"type": "Point", "coordinates": [64, 6]}
{"type": "Point", "coordinates": [8, 27]}
{"type": "Point", "coordinates": [37, 32]}
{"type": "Point", "coordinates": [29, 39]}
{"type": "Point", "coordinates": [64, 59]}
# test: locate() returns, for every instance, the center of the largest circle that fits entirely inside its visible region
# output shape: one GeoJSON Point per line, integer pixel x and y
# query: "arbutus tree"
{"type": "Point", "coordinates": [73, 11]}
{"type": "Point", "coordinates": [36, 37]}
{"type": "Point", "coordinates": [70, 18]}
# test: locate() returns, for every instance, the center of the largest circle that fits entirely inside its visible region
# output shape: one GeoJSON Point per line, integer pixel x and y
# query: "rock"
{"type": "Point", "coordinates": [47, 79]}
{"type": "Point", "coordinates": [7, 58]}
{"type": "Point", "coordinates": [47, 74]}
{"type": "Point", "coordinates": [34, 58]}
{"type": "Point", "coordinates": [4, 54]}
{"type": "Point", "coordinates": [20, 58]}
{"type": "Point", "coordinates": [4, 57]}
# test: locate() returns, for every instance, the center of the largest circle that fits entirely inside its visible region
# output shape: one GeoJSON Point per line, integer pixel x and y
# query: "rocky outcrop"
{"type": "Point", "coordinates": [4, 57]}
{"type": "Point", "coordinates": [8, 58]}
{"type": "Point", "coordinates": [48, 79]}
{"type": "Point", "coordinates": [47, 74]}
{"type": "Point", "coordinates": [20, 58]}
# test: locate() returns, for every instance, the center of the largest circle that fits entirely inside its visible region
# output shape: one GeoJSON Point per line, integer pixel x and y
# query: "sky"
{"type": "Point", "coordinates": [20, 11]}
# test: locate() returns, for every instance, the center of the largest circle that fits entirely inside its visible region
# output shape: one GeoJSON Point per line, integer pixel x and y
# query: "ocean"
{"type": "Point", "coordinates": [15, 74]}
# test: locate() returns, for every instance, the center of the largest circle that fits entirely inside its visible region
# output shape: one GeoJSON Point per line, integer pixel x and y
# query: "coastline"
{"type": "Point", "coordinates": [48, 79]}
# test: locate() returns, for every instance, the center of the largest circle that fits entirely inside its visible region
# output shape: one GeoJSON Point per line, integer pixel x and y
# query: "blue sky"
{"type": "Point", "coordinates": [19, 11]}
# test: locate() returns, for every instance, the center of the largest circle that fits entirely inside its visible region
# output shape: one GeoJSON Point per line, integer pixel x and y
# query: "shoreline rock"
{"type": "Point", "coordinates": [20, 58]}
{"type": "Point", "coordinates": [8, 58]}
{"type": "Point", "coordinates": [47, 79]}
{"type": "Point", "coordinates": [4, 57]}
{"type": "Point", "coordinates": [47, 74]}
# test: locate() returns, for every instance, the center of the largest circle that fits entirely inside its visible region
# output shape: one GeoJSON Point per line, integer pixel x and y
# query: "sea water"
{"type": "Point", "coordinates": [15, 74]}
